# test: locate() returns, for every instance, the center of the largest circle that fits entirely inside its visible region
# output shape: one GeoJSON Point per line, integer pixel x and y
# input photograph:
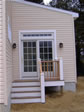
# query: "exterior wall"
{"type": "Point", "coordinates": [28, 17]}
{"type": "Point", "coordinates": [8, 52]}
{"type": "Point", "coordinates": [5, 56]}
{"type": "Point", "coordinates": [1, 56]}
{"type": "Point", "coordinates": [5, 108]}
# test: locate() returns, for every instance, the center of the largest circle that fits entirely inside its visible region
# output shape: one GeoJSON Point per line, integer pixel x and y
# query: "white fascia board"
{"type": "Point", "coordinates": [74, 15]}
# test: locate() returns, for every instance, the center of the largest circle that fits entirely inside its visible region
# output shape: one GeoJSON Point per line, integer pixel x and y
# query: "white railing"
{"type": "Point", "coordinates": [53, 70]}
{"type": "Point", "coordinates": [42, 81]}
{"type": "Point", "coordinates": [61, 69]}
{"type": "Point", "coordinates": [53, 73]}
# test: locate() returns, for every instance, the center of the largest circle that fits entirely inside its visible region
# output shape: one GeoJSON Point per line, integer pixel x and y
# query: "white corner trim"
{"type": "Point", "coordinates": [61, 69]}
{"type": "Point", "coordinates": [74, 15]}
{"type": "Point", "coordinates": [42, 88]}
{"type": "Point", "coordinates": [9, 31]}
{"type": "Point", "coordinates": [20, 59]}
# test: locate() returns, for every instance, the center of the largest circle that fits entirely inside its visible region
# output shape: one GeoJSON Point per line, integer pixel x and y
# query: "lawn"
{"type": "Point", "coordinates": [55, 102]}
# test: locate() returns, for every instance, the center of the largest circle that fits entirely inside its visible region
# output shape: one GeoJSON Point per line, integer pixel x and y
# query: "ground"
{"type": "Point", "coordinates": [55, 102]}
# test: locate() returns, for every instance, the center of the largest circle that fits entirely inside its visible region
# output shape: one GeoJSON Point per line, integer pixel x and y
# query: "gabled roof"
{"type": "Point", "coordinates": [74, 15]}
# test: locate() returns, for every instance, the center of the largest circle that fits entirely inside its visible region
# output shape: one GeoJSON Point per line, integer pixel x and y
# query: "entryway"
{"type": "Point", "coordinates": [35, 46]}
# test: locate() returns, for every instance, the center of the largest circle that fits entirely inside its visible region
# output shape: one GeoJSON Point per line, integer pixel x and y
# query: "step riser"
{"type": "Point", "coordinates": [26, 84]}
{"type": "Point", "coordinates": [21, 101]}
{"type": "Point", "coordinates": [17, 95]}
{"type": "Point", "coordinates": [25, 92]}
{"type": "Point", "coordinates": [26, 89]}
{"type": "Point", "coordinates": [30, 78]}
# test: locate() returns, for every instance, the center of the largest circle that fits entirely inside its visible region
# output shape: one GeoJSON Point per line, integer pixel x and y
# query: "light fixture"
{"type": "Point", "coordinates": [14, 45]}
{"type": "Point", "coordinates": [61, 45]}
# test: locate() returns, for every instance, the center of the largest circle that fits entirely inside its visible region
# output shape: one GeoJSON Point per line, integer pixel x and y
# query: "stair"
{"type": "Point", "coordinates": [26, 91]}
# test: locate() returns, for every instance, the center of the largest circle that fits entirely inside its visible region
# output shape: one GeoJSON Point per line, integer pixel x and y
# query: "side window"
{"type": "Point", "coordinates": [9, 31]}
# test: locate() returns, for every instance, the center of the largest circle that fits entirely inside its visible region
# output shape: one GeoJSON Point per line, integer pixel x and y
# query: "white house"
{"type": "Point", "coordinates": [37, 50]}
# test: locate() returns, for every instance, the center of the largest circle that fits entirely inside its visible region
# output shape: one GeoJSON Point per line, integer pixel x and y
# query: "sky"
{"type": "Point", "coordinates": [46, 1]}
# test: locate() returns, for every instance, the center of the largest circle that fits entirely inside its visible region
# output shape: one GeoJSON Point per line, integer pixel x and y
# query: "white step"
{"type": "Point", "coordinates": [17, 95]}
{"type": "Point", "coordinates": [25, 89]}
{"type": "Point", "coordinates": [21, 101]}
{"type": "Point", "coordinates": [30, 78]}
{"type": "Point", "coordinates": [26, 84]}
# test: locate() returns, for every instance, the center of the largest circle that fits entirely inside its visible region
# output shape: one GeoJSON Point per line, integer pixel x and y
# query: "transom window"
{"type": "Point", "coordinates": [36, 35]}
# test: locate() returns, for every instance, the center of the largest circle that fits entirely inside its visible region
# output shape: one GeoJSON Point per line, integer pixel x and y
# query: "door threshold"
{"type": "Point", "coordinates": [30, 78]}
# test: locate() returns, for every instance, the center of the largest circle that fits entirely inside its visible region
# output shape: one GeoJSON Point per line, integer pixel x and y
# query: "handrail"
{"type": "Point", "coordinates": [40, 66]}
{"type": "Point", "coordinates": [50, 61]}
{"type": "Point", "coordinates": [52, 69]}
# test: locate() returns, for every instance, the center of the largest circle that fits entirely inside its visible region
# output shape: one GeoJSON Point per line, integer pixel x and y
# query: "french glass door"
{"type": "Point", "coordinates": [31, 51]}
{"type": "Point", "coordinates": [29, 58]}
{"type": "Point", "coordinates": [45, 50]}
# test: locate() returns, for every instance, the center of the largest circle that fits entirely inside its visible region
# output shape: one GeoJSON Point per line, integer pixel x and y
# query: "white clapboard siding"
{"type": "Point", "coordinates": [4, 41]}
{"type": "Point", "coordinates": [8, 52]}
{"type": "Point", "coordinates": [1, 58]}
{"type": "Point", "coordinates": [28, 17]}
{"type": "Point", "coordinates": [9, 73]}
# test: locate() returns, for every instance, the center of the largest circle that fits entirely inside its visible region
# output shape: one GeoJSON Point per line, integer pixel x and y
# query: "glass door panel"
{"type": "Point", "coordinates": [46, 54]}
{"type": "Point", "coordinates": [29, 58]}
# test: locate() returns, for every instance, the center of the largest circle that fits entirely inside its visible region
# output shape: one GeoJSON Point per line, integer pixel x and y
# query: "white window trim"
{"type": "Point", "coordinates": [9, 31]}
{"type": "Point", "coordinates": [35, 38]}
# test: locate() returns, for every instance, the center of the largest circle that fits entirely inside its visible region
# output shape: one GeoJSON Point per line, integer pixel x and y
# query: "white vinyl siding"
{"type": "Point", "coordinates": [8, 51]}
{"type": "Point", "coordinates": [26, 17]}
{"type": "Point", "coordinates": [5, 59]}
{"type": "Point", "coordinates": [1, 58]}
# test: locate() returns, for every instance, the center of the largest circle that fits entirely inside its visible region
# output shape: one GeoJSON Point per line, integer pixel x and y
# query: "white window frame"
{"type": "Point", "coordinates": [21, 38]}
{"type": "Point", "coordinates": [9, 31]}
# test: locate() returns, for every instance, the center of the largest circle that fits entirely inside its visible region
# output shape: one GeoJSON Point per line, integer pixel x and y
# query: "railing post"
{"type": "Point", "coordinates": [42, 88]}
{"type": "Point", "coordinates": [61, 69]}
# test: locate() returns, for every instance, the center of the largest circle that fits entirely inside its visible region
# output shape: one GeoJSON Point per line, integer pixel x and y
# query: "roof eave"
{"type": "Point", "coordinates": [74, 15]}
